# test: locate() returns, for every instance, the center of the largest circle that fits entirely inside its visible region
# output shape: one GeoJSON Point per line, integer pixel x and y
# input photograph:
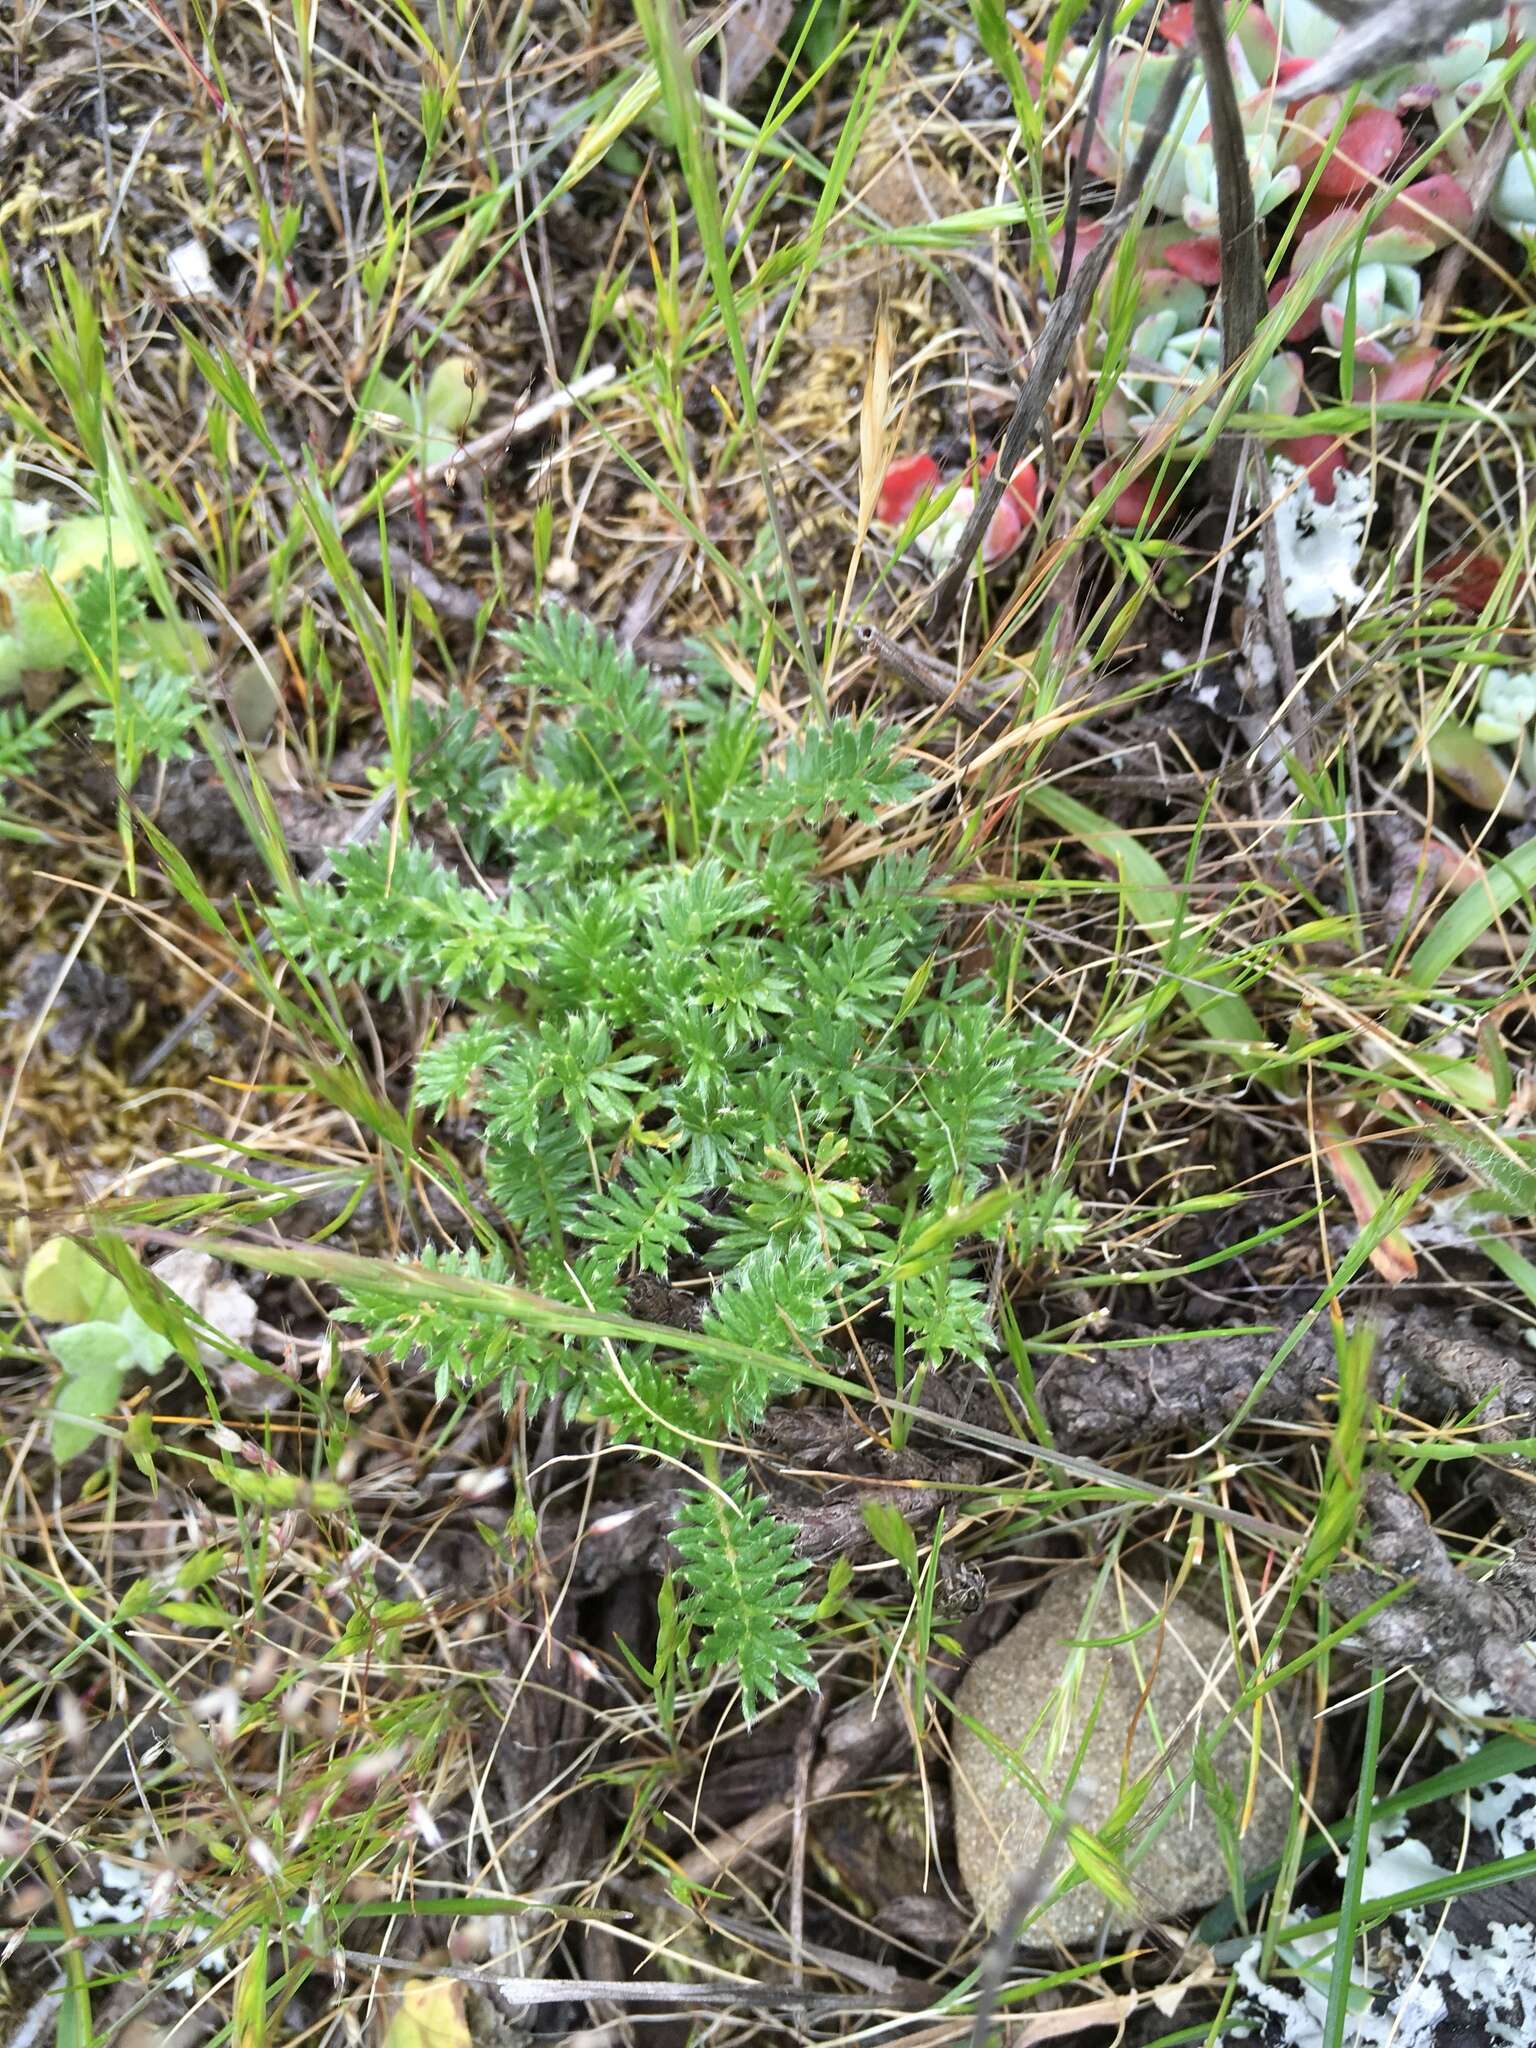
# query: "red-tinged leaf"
{"type": "Point", "coordinates": [1313, 215]}
{"type": "Point", "coordinates": [1132, 505]}
{"type": "Point", "coordinates": [1468, 578]}
{"type": "Point", "coordinates": [1291, 68]}
{"type": "Point", "coordinates": [1022, 489]}
{"type": "Point", "coordinates": [1403, 382]}
{"type": "Point", "coordinates": [1283, 388]}
{"type": "Point", "coordinates": [1003, 534]}
{"type": "Point", "coordinates": [1145, 500]}
{"type": "Point", "coordinates": [1199, 259]}
{"type": "Point", "coordinates": [1176, 24]}
{"type": "Point", "coordinates": [1438, 207]}
{"type": "Point", "coordinates": [1363, 154]}
{"type": "Point", "coordinates": [1319, 455]}
{"type": "Point", "coordinates": [1305, 135]}
{"type": "Point", "coordinates": [1259, 41]}
{"type": "Point", "coordinates": [1393, 1256]}
{"type": "Point", "coordinates": [1398, 245]}
{"type": "Point", "coordinates": [1454, 868]}
{"type": "Point", "coordinates": [1375, 355]}
{"type": "Point", "coordinates": [901, 487]}
{"type": "Point", "coordinates": [1088, 231]}
{"type": "Point", "coordinates": [1307, 322]}
{"type": "Point", "coordinates": [1103, 162]}
{"type": "Point", "coordinates": [1325, 242]}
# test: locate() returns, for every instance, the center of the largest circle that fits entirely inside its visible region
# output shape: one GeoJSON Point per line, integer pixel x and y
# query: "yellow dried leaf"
{"type": "Point", "coordinates": [429, 2014]}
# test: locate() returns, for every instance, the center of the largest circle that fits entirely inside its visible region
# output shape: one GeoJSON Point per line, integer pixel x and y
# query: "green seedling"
{"type": "Point", "coordinates": [100, 1339]}
{"type": "Point", "coordinates": [435, 413]}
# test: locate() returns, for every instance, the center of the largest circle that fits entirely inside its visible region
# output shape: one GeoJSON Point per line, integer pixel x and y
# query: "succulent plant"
{"type": "Point", "coordinates": [437, 411]}
{"type": "Point", "coordinates": [1452, 79]}
{"type": "Point", "coordinates": [1273, 182]}
{"type": "Point", "coordinates": [1513, 204]}
{"type": "Point", "coordinates": [1459, 71]}
{"type": "Point", "coordinates": [1341, 150]}
{"type": "Point", "coordinates": [1463, 752]}
{"type": "Point", "coordinates": [1506, 709]}
{"type": "Point", "coordinates": [1175, 351]}
{"type": "Point", "coordinates": [1385, 305]}
{"type": "Point", "coordinates": [1184, 181]}
{"type": "Point", "coordinates": [1357, 254]}
{"type": "Point", "coordinates": [1454, 74]}
{"type": "Point", "coordinates": [1343, 156]}
{"type": "Point", "coordinates": [1377, 268]}
{"type": "Point", "coordinates": [1470, 578]}
{"type": "Point", "coordinates": [1470, 70]}
{"type": "Point", "coordinates": [41, 563]}
{"type": "Point", "coordinates": [1305, 29]}
{"type": "Point", "coordinates": [1171, 357]}
{"type": "Point", "coordinates": [906, 484]}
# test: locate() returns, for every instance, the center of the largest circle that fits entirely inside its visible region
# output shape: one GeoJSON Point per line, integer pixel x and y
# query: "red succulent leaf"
{"type": "Point", "coordinates": [1144, 500]}
{"type": "Point", "coordinates": [1088, 231]}
{"type": "Point", "coordinates": [901, 487]}
{"type": "Point", "coordinates": [1374, 354]}
{"type": "Point", "coordinates": [1022, 488]}
{"type": "Point", "coordinates": [1319, 455]}
{"type": "Point", "coordinates": [1316, 211]}
{"type": "Point", "coordinates": [1176, 24]}
{"type": "Point", "coordinates": [1469, 578]}
{"type": "Point", "coordinates": [1326, 240]}
{"type": "Point", "coordinates": [1004, 531]}
{"type": "Point", "coordinates": [1305, 134]}
{"type": "Point", "coordinates": [1291, 67]}
{"type": "Point", "coordinates": [1438, 207]}
{"type": "Point", "coordinates": [1415, 372]}
{"type": "Point", "coordinates": [1369, 146]}
{"type": "Point", "coordinates": [1021, 494]}
{"type": "Point", "coordinates": [1199, 259]}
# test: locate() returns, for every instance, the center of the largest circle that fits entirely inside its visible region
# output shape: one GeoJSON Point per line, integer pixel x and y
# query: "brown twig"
{"type": "Point", "coordinates": [448, 600]}
{"type": "Point", "coordinates": [1243, 299]}
{"type": "Point", "coordinates": [1080, 165]}
{"type": "Point", "coordinates": [931, 678]}
{"type": "Point", "coordinates": [857, 1741]}
{"type": "Point", "coordinates": [1376, 37]}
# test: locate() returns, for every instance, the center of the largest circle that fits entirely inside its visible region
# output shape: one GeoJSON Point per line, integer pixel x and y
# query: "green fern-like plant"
{"type": "Point", "coordinates": [744, 1579]}
{"type": "Point", "coordinates": [692, 1058]}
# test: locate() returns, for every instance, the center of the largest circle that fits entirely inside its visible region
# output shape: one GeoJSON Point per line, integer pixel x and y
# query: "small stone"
{"type": "Point", "coordinates": [1036, 1694]}
{"type": "Point", "coordinates": [254, 702]}
{"type": "Point", "coordinates": [226, 1307]}
{"type": "Point", "coordinates": [190, 272]}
